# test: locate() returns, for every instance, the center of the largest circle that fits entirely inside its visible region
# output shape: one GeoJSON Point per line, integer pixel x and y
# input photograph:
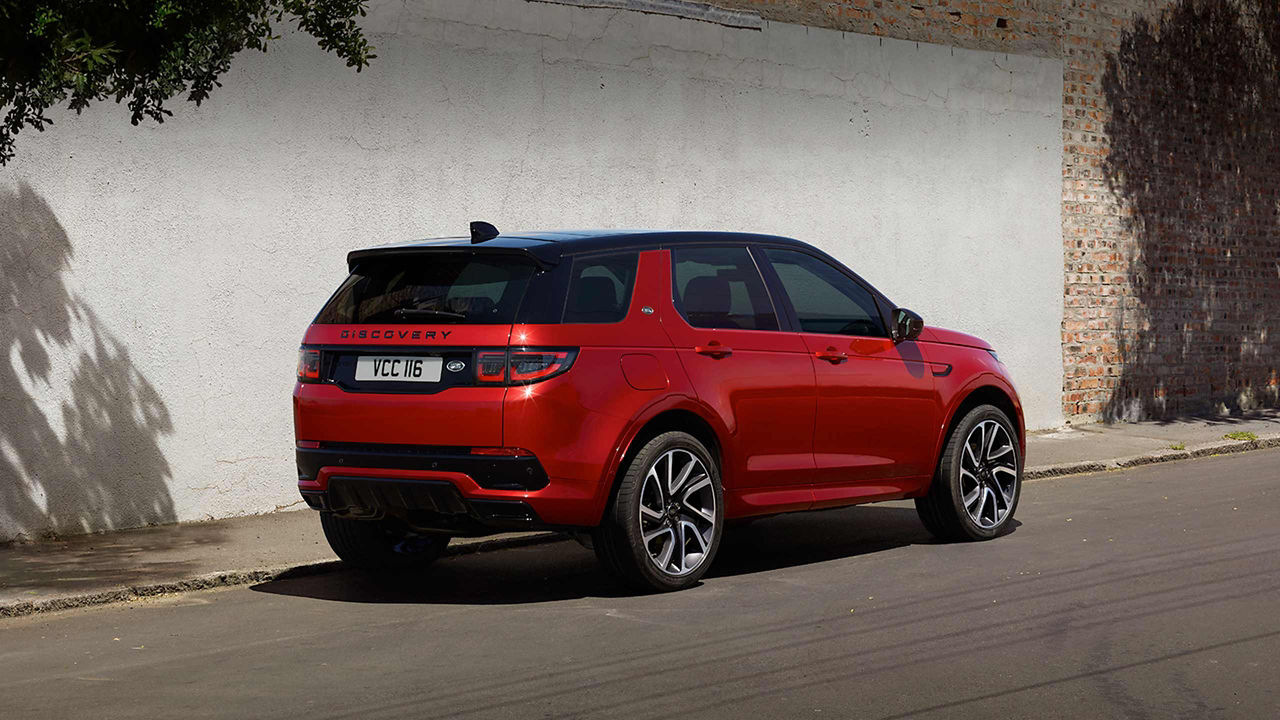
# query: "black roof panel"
{"type": "Point", "coordinates": [574, 241]}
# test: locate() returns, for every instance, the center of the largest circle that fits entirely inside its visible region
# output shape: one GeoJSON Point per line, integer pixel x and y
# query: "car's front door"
{"type": "Point", "coordinates": [754, 376]}
{"type": "Point", "coordinates": [877, 412]}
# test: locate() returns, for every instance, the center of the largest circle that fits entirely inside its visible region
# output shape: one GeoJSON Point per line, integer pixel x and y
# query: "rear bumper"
{"type": "Point", "coordinates": [487, 471]}
{"type": "Point", "coordinates": [425, 505]}
{"type": "Point", "coordinates": [436, 489]}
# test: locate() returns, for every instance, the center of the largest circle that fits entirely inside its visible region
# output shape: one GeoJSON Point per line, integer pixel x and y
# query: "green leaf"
{"type": "Point", "coordinates": [56, 51]}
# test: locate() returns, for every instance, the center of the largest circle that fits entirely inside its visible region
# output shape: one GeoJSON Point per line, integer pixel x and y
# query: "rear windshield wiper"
{"type": "Point", "coordinates": [427, 312]}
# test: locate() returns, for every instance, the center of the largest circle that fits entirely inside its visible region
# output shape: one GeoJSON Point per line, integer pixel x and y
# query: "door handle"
{"type": "Point", "coordinates": [831, 355]}
{"type": "Point", "coordinates": [714, 349]}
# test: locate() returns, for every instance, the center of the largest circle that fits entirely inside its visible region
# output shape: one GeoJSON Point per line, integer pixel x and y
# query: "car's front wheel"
{"type": "Point", "coordinates": [663, 528]}
{"type": "Point", "coordinates": [979, 479]}
{"type": "Point", "coordinates": [374, 546]}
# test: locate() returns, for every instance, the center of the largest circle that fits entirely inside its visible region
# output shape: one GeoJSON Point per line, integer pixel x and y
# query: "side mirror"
{"type": "Point", "coordinates": [906, 325]}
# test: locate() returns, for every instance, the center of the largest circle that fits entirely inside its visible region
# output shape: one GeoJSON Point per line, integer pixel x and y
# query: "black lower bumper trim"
{"type": "Point", "coordinates": [489, 472]}
{"type": "Point", "coordinates": [424, 505]}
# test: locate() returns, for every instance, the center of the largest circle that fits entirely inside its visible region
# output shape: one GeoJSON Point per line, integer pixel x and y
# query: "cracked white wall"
{"type": "Point", "coordinates": [203, 246]}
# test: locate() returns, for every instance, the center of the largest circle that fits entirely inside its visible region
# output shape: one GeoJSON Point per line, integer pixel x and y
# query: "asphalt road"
{"type": "Point", "coordinates": [1149, 593]}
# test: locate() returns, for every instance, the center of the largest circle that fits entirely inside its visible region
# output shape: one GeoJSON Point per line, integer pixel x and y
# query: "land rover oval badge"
{"type": "Point", "coordinates": [455, 366]}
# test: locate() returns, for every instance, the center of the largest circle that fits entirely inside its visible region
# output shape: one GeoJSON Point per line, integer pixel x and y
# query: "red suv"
{"type": "Point", "coordinates": [641, 388]}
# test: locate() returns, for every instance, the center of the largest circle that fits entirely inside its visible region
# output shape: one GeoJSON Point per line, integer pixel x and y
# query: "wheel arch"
{"type": "Point", "coordinates": [985, 392]}
{"type": "Point", "coordinates": [667, 418]}
{"type": "Point", "coordinates": [681, 419]}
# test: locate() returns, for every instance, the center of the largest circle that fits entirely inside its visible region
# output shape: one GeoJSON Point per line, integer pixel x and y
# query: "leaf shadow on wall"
{"type": "Point", "coordinates": [79, 424]}
{"type": "Point", "coordinates": [1195, 155]}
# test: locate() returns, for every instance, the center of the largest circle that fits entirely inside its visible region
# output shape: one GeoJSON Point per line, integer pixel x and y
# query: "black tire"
{"type": "Point", "coordinates": [943, 510]}
{"type": "Point", "coordinates": [372, 546]}
{"type": "Point", "coordinates": [619, 541]}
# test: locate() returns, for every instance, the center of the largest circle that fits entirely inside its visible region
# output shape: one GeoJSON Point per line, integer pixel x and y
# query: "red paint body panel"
{"type": "Point", "coordinates": [873, 408]}
{"type": "Point", "coordinates": [971, 370]}
{"type": "Point", "coordinates": [642, 371]}
{"type": "Point", "coordinates": [573, 425]}
{"type": "Point", "coordinates": [458, 416]}
{"type": "Point", "coordinates": [952, 337]}
{"type": "Point", "coordinates": [762, 392]}
{"type": "Point", "coordinates": [469, 416]}
{"type": "Point", "coordinates": [794, 431]}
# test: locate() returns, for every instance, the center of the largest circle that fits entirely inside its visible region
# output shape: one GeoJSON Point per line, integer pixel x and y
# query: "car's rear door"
{"type": "Point", "coordinates": [756, 377]}
{"type": "Point", "coordinates": [401, 348]}
{"type": "Point", "coordinates": [876, 408]}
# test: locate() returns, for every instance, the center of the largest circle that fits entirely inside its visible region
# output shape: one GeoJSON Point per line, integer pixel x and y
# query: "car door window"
{"type": "Point", "coordinates": [721, 287]}
{"type": "Point", "coordinates": [825, 299]}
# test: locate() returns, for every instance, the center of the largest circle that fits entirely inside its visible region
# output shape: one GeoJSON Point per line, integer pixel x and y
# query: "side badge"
{"type": "Point", "coordinates": [455, 366]}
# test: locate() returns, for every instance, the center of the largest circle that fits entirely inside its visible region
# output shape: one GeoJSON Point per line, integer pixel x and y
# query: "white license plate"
{"type": "Point", "coordinates": [397, 368]}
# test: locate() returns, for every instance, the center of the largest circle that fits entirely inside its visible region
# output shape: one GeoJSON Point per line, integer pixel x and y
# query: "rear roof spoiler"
{"type": "Point", "coordinates": [545, 254]}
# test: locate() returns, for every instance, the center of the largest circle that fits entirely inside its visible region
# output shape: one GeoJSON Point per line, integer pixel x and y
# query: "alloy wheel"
{"type": "Point", "coordinates": [677, 512]}
{"type": "Point", "coordinates": [988, 474]}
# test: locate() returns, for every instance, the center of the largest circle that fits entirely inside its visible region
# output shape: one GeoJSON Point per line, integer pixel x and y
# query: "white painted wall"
{"type": "Point", "coordinates": [156, 280]}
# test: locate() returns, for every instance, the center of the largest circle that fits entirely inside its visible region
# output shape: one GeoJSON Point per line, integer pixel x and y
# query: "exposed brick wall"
{"type": "Point", "coordinates": [1171, 120]}
{"type": "Point", "coordinates": [1024, 26]}
{"type": "Point", "coordinates": [1170, 184]}
{"type": "Point", "coordinates": [1173, 232]}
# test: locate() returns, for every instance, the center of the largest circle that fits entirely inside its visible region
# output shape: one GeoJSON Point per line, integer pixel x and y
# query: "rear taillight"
{"type": "Point", "coordinates": [528, 366]}
{"type": "Point", "coordinates": [491, 368]}
{"type": "Point", "coordinates": [523, 366]}
{"type": "Point", "coordinates": [308, 365]}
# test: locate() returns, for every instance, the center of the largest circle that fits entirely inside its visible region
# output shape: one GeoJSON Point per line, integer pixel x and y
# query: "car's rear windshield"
{"type": "Point", "coordinates": [463, 289]}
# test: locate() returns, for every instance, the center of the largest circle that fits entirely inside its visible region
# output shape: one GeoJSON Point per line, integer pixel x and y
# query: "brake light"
{"type": "Point", "coordinates": [308, 365]}
{"type": "Point", "coordinates": [533, 365]}
{"type": "Point", "coordinates": [523, 366]}
{"type": "Point", "coordinates": [491, 367]}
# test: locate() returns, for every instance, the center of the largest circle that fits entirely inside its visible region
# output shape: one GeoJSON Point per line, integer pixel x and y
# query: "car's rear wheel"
{"type": "Point", "coordinates": [375, 546]}
{"type": "Point", "coordinates": [979, 479]}
{"type": "Point", "coordinates": [663, 528]}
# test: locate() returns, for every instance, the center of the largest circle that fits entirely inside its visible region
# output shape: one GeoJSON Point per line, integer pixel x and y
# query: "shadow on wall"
{"type": "Point", "coordinates": [79, 425]}
{"type": "Point", "coordinates": [1195, 154]}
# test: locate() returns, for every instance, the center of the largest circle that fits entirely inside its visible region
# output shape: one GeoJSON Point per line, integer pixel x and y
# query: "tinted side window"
{"type": "Point", "coordinates": [721, 288]}
{"type": "Point", "coordinates": [600, 288]}
{"type": "Point", "coordinates": [825, 299]}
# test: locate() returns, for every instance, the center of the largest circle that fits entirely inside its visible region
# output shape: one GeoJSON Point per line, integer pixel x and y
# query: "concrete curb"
{"type": "Point", "coordinates": [239, 577]}
{"type": "Point", "coordinates": [1216, 447]}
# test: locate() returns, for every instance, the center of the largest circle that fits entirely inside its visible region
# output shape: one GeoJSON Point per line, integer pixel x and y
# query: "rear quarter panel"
{"type": "Point", "coordinates": [578, 423]}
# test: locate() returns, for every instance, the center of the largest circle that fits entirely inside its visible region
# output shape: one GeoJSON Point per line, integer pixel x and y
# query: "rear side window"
{"type": "Point", "coordinates": [721, 288]}
{"type": "Point", "coordinates": [600, 288]}
{"type": "Point", "coordinates": [825, 299]}
{"type": "Point", "coordinates": [461, 289]}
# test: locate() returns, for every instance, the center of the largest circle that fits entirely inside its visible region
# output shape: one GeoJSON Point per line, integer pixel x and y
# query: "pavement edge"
{"type": "Point", "coordinates": [231, 578]}
{"type": "Point", "coordinates": [1215, 447]}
